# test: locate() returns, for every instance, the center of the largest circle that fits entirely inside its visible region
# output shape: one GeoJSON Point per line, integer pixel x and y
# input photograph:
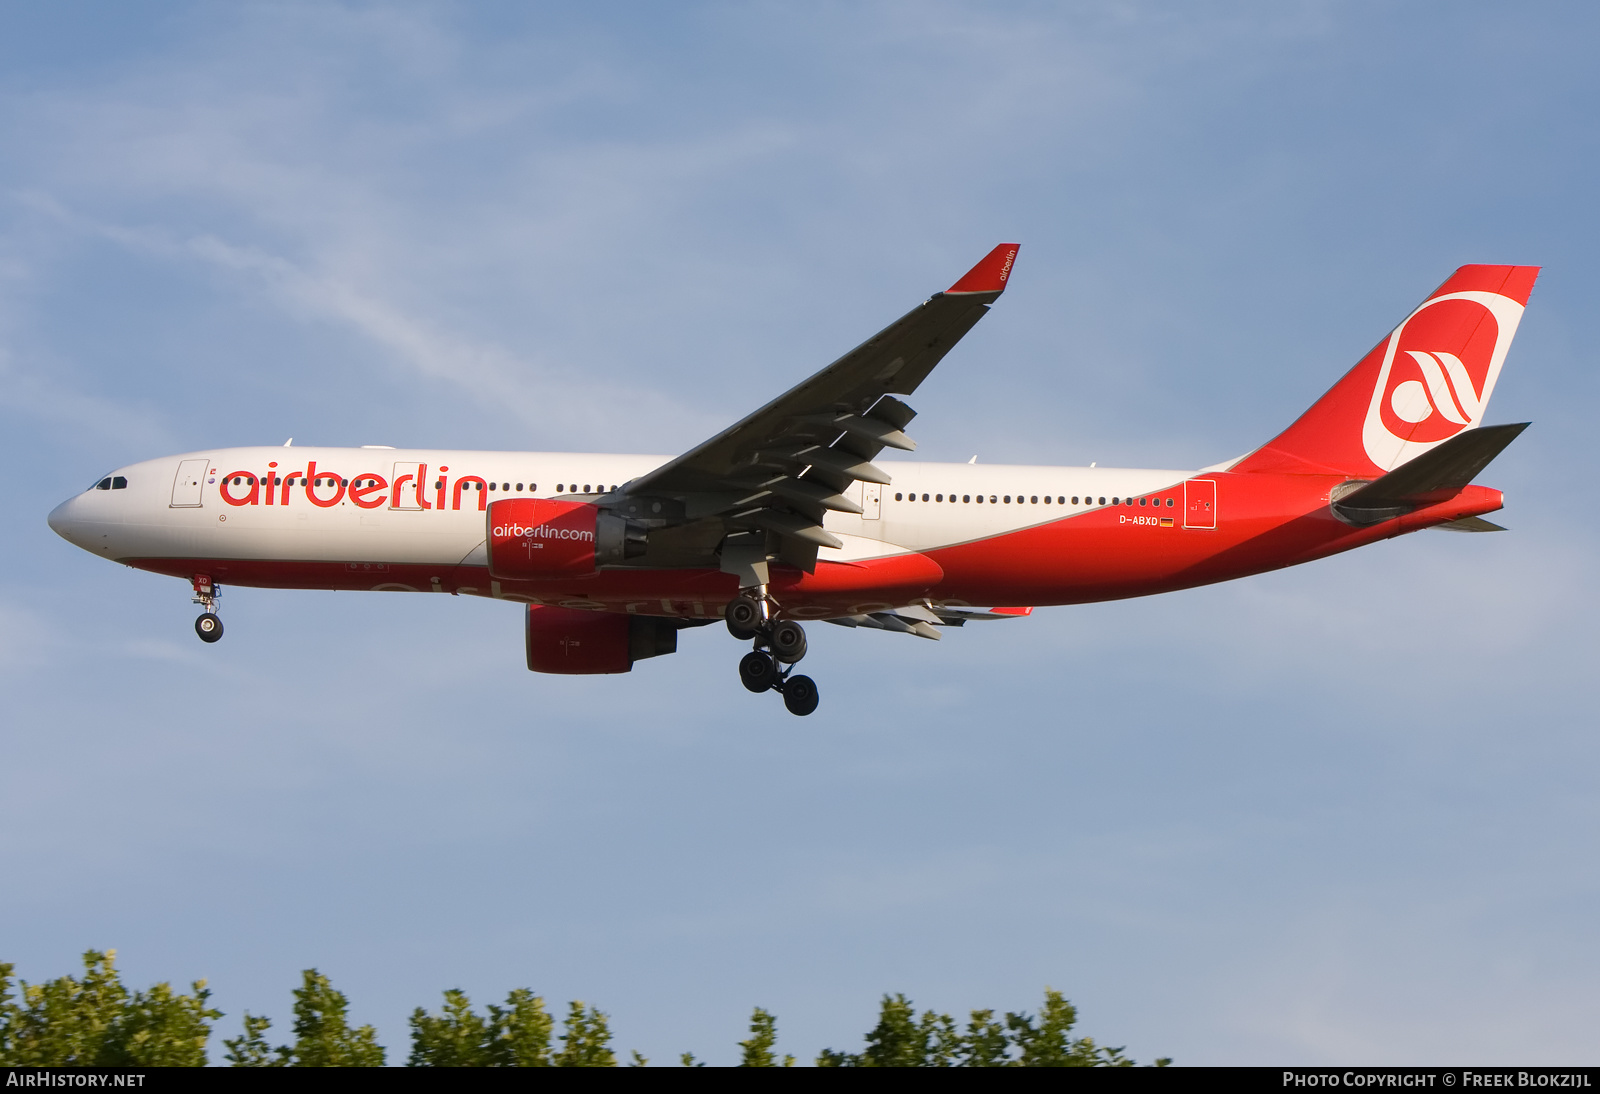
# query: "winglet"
{"type": "Point", "coordinates": [990, 274]}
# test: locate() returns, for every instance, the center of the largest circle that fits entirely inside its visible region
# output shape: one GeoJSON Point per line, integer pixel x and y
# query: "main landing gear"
{"type": "Point", "coordinates": [776, 644]}
{"type": "Point", "coordinates": [208, 626]}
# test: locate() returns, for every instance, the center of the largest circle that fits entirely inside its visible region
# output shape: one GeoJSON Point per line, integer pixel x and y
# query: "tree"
{"type": "Point", "coordinates": [516, 1035]}
{"type": "Point", "coordinates": [901, 1039]}
{"type": "Point", "coordinates": [96, 1022]}
{"type": "Point", "coordinates": [323, 1037]}
{"type": "Point", "coordinates": [985, 1043]}
{"type": "Point", "coordinates": [586, 1041]}
{"type": "Point", "coordinates": [757, 1051]}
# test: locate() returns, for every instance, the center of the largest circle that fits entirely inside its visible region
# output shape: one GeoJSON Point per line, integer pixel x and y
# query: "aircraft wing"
{"type": "Point", "coordinates": [769, 478]}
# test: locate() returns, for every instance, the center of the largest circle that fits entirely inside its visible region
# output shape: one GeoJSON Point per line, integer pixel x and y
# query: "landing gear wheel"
{"type": "Point", "coordinates": [788, 641]}
{"type": "Point", "coordinates": [744, 617]}
{"type": "Point", "coordinates": [758, 672]}
{"type": "Point", "coordinates": [800, 695]}
{"type": "Point", "coordinates": [208, 627]}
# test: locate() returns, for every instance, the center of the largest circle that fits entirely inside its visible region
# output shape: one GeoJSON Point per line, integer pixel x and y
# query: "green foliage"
{"type": "Point", "coordinates": [985, 1044]}
{"type": "Point", "coordinates": [586, 1040]}
{"type": "Point", "coordinates": [96, 1022]}
{"type": "Point", "coordinates": [323, 1037]}
{"type": "Point", "coordinates": [757, 1051]}
{"type": "Point", "coordinates": [250, 1049]}
{"type": "Point", "coordinates": [902, 1039]}
{"type": "Point", "coordinates": [897, 1040]}
{"type": "Point", "coordinates": [93, 1020]}
{"type": "Point", "coordinates": [515, 1035]}
{"type": "Point", "coordinates": [520, 1032]}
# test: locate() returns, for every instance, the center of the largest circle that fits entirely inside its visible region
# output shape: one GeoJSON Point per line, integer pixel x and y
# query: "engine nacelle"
{"type": "Point", "coordinates": [534, 538]}
{"type": "Point", "coordinates": [572, 642]}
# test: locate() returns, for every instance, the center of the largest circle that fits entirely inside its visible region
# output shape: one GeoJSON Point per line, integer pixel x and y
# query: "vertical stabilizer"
{"type": "Point", "coordinates": [1429, 380]}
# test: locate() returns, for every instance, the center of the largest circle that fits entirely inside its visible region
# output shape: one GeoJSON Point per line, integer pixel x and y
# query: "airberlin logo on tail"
{"type": "Point", "coordinates": [1439, 369]}
{"type": "Point", "coordinates": [1445, 389]}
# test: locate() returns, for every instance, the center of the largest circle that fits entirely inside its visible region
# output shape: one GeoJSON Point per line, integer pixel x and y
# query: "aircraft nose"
{"type": "Point", "coordinates": [64, 520]}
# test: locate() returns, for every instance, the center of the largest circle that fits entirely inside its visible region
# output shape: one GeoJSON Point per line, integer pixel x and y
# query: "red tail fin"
{"type": "Point", "coordinates": [1426, 382]}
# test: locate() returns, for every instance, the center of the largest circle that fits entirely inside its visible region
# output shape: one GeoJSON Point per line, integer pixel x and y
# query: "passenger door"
{"type": "Point", "coordinates": [187, 485]}
{"type": "Point", "coordinates": [404, 495]}
{"type": "Point", "coordinates": [1200, 503]}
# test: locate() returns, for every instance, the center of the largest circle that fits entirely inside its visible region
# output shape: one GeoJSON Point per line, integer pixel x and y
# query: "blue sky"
{"type": "Point", "coordinates": [1342, 813]}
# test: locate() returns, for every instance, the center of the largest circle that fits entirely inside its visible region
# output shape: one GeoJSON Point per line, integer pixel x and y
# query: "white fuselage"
{"type": "Point", "coordinates": [152, 517]}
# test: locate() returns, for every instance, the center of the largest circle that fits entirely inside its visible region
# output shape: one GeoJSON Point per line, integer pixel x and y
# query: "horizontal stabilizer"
{"type": "Point", "coordinates": [1435, 476]}
{"type": "Point", "coordinates": [1471, 524]}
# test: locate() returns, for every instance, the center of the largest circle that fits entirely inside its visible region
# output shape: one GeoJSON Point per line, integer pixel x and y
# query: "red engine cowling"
{"type": "Point", "coordinates": [572, 642]}
{"type": "Point", "coordinates": [539, 537]}
{"type": "Point", "coordinates": [534, 538]}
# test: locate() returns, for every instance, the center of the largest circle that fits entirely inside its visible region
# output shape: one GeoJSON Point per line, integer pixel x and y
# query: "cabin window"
{"type": "Point", "coordinates": [1144, 501]}
{"type": "Point", "coordinates": [1034, 500]}
{"type": "Point", "coordinates": [898, 497]}
{"type": "Point", "coordinates": [938, 497]}
{"type": "Point", "coordinates": [966, 498]}
{"type": "Point", "coordinates": [1047, 499]}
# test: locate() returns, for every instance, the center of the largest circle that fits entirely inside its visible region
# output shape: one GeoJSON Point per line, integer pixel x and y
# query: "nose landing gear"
{"type": "Point", "coordinates": [781, 642]}
{"type": "Point", "coordinates": [208, 626]}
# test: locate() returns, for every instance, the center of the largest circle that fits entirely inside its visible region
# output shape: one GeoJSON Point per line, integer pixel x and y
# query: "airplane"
{"type": "Point", "coordinates": [784, 518]}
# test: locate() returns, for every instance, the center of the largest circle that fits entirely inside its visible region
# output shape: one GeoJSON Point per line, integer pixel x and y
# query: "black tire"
{"type": "Point", "coordinates": [800, 695]}
{"type": "Point", "coordinates": [744, 617]}
{"type": "Point", "coordinates": [208, 627]}
{"type": "Point", "coordinates": [788, 641]}
{"type": "Point", "coordinates": [758, 671]}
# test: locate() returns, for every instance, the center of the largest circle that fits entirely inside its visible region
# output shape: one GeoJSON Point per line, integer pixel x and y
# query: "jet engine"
{"type": "Point", "coordinates": [573, 642]}
{"type": "Point", "coordinates": [531, 538]}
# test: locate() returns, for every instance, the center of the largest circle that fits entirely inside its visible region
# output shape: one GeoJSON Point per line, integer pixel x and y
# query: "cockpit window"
{"type": "Point", "coordinates": [119, 483]}
{"type": "Point", "coordinates": [103, 484]}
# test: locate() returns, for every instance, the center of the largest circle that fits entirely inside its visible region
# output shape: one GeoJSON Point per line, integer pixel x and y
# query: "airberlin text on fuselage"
{"type": "Point", "coordinates": [369, 490]}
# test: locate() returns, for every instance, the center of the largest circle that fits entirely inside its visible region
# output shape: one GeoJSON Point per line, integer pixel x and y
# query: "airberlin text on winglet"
{"type": "Point", "coordinates": [990, 274]}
